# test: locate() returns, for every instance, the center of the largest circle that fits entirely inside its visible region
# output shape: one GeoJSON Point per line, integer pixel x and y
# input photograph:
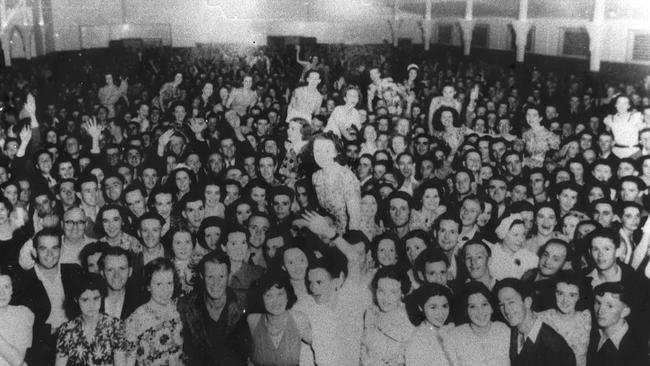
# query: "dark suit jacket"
{"type": "Point", "coordinates": [31, 293]}
{"type": "Point", "coordinates": [550, 349]}
{"type": "Point", "coordinates": [132, 300]}
{"type": "Point", "coordinates": [243, 279]}
{"type": "Point", "coordinates": [208, 342]}
{"type": "Point", "coordinates": [638, 286]}
{"type": "Point", "coordinates": [632, 351]}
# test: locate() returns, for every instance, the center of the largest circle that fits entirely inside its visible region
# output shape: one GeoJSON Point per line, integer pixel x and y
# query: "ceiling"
{"type": "Point", "coordinates": [615, 9]}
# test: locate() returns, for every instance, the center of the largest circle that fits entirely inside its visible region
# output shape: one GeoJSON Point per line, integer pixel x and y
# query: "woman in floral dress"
{"type": "Point", "coordinates": [337, 188]}
{"type": "Point", "coordinates": [154, 329]}
{"type": "Point", "coordinates": [446, 123]}
{"type": "Point", "coordinates": [538, 139]}
{"type": "Point", "coordinates": [92, 338]}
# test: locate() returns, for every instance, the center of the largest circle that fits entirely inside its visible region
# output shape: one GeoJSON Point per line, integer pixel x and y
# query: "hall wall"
{"type": "Point", "coordinates": [93, 23]}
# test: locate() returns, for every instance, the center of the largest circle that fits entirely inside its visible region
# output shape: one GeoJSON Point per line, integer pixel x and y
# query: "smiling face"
{"type": "Point", "coordinates": [566, 297]}
{"type": "Point", "coordinates": [161, 287]}
{"type": "Point", "coordinates": [546, 221]}
{"type": "Point", "coordinates": [386, 252]}
{"type": "Point", "coordinates": [324, 152]}
{"type": "Point", "coordinates": [479, 310]}
{"type": "Point", "coordinates": [414, 246]}
{"type": "Point", "coordinates": [436, 310]}
{"type": "Point", "coordinates": [182, 245]}
{"type": "Point", "coordinates": [112, 223]}
{"type": "Point", "coordinates": [216, 279]}
{"type": "Point", "coordinates": [275, 300]}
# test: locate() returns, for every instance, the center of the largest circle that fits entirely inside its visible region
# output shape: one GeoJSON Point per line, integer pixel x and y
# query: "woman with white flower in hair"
{"type": "Point", "coordinates": [509, 257]}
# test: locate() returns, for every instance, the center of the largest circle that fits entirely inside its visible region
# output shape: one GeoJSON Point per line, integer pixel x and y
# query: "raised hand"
{"type": "Point", "coordinates": [197, 125]}
{"type": "Point", "coordinates": [166, 137]}
{"type": "Point", "coordinates": [93, 128]}
{"type": "Point", "coordinates": [25, 135]}
{"type": "Point", "coordinates": [318, 225]}
{"type": "Point", "coordinates": [473, 95]}
{"type": "Point", "coordinates": [30, 105]}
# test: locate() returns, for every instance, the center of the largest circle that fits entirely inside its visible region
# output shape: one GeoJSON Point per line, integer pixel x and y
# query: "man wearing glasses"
{"type": "Point", "coordinates": [72, 242]}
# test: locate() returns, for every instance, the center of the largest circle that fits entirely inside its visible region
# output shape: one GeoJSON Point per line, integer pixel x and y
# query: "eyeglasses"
{"type": "Point", "coordinates": [72, 222]}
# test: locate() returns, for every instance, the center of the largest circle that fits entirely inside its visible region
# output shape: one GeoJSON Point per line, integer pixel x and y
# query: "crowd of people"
{"type": "Point", "coordinates": [204, 208]}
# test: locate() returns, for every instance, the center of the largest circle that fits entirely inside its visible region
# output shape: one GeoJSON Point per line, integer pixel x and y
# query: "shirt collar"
{"type": "Point", "coordinates": [616, 338]}
{"type": "Point", "coordinates": [534, 331]}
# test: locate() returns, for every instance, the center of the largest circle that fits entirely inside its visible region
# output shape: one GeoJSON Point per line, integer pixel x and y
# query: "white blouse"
{"type": "Point", "coordinates": [469, 349]}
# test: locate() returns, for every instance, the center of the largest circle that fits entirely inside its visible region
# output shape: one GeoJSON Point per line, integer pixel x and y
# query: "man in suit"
{"type": "Point", "coordinates": [532, 342]}
{"type": "Point", "coordinates": [123, 298]}
{"type": "Point", "coordinates": [613, 342]}
{"type": "Point", "coordinates": [48, 291]}
{"type": "Point", "coordinates": [210, 315]}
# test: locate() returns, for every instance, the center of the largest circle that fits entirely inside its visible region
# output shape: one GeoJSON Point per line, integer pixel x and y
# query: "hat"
{"type": "Point", "coordinates": [505, 224]}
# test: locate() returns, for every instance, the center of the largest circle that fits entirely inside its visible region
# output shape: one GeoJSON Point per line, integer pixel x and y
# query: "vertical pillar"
{"type": "Point", "coordinates": [521, 26]}
{"type": "Point", "coordinates": [467, 26]}
{"type": "Point", "coordinates": [596, 30]}
{"type": "Point", "coordinates": [3, 15]}
{"type": "Point", "coordinates": [427, 25]}
{"type": "Point", "coordinates": [6, 47]}
{"type": "Point", "coordinates": [26, 33]}
{"type": "Point", "coordinates": [395, 25]}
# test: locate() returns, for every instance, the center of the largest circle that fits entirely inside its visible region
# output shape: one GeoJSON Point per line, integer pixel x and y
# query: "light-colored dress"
{"type": "Point", "coordinates": [419, 220]}
{"type": "Point", "coordinates": [625, 129]}
{"type": "Point", "coordinates": [504, 264]}
{"type": "Point", "coordinates": [574, 330]}
{"type": "Point", "coordinates": [427, 347]}
{"type": "Point", "coordinates": [469, 349]}
{"type": "Point", "coordinates": [538, 141]}
{"type": "Point", "coordinates": [156, 337]}
{"type": "Point", "coordinates": [385, 337]}
{"type": "Point", "coordinates": [337, 188]}
{"type": "Point", "coordinates": [16, 323]}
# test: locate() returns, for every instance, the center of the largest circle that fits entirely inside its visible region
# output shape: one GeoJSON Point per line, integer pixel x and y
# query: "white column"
{"type": "Point", "coordinates": [26, 33]}
{"type": "Point", "coordinates": [596, 30]}
{"type": "Point", "coordinates": [469, 9]}
{"type": "Point", "coordinates": [395, 25]}
{"type": "Point", "coordinates": [427, 25]}
{"type": "Point", "coordinates": [521, 28]}
{"type": "Point", "coordinates": [6, 47]}
{"type": "Point", "coordinates": [467, 27]}
{"type": "Point", "coordinates": [3, 15]}
{"type": "Point", "coordinates": [523, 10]}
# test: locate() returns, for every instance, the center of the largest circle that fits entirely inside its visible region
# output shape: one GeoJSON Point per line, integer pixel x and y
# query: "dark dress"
{"type": "Point", "coordinates": [632, 351]}
{"type": "Point", "coordinates": [549, 349]}
{"type": "Point", "coordinates": [287, 353]}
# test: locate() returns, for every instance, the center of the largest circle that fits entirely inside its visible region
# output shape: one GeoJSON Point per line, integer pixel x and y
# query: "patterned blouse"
{"type": "Point", "coordinates": [156, 337]}
{"type": "Point", "coordinates": [127, 242]}
{"type": "Point", "coordinates": [538, 141]}
{"type": "Point", "coordinates": [109, 338]}
{"type": "Point", "coordinates": [336, 189]}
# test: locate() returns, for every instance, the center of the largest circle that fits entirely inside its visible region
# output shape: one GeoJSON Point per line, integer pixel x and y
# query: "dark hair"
{"type": "Point", "coordinates": [99, 227]}
{"type": "Point", "coordinates": [472, 288]}
{"type": "Point", "coordinates": [212, 221]}
{"type": "Point", "coordinates": [584, 288]}
{"type": "Point", "coordinates": [420, 297]}
{"type": "Point", "coordinates": [215, 256]}
{"type": "Point", "coordinates": [463, 251]}
{"type": "Point", "coordinates": [151, 216]}
{"type": "Point", "coordinates": [110, 251]}
{"type": "Point", "coordinates": [92, 282]}
{"type": "Point", "coordinates": [429, 255]}
{"type": "Point", "coordinates": [394, 273]}
{"type": "Point", "coordinates": [51, 232]}
{"type": "Point", "coordinates": [5, 201]}
{"type": "Point", "coordinates": [91, 249]}
{"type": "Point", "coordinates": [388, 235]}
{"type": "Point", "coordinates": [437, 123]}
{"type": "Point", "coordinates": [447, 216]}
{"type": "Point", "coordinates": [606, 233]}
{"type": "Point", "coordinates": [278, 279]}
{"type": "Point", "coordinates": [333, 262]}
{"type": "Point", "coordinates": [615, 288]}
{"type": "Point", "coordinates": [521, 287]}
{"type": "Point", "coordinates": [159, 265]}
{"type": "Point", "coordinates": [567, 247]}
